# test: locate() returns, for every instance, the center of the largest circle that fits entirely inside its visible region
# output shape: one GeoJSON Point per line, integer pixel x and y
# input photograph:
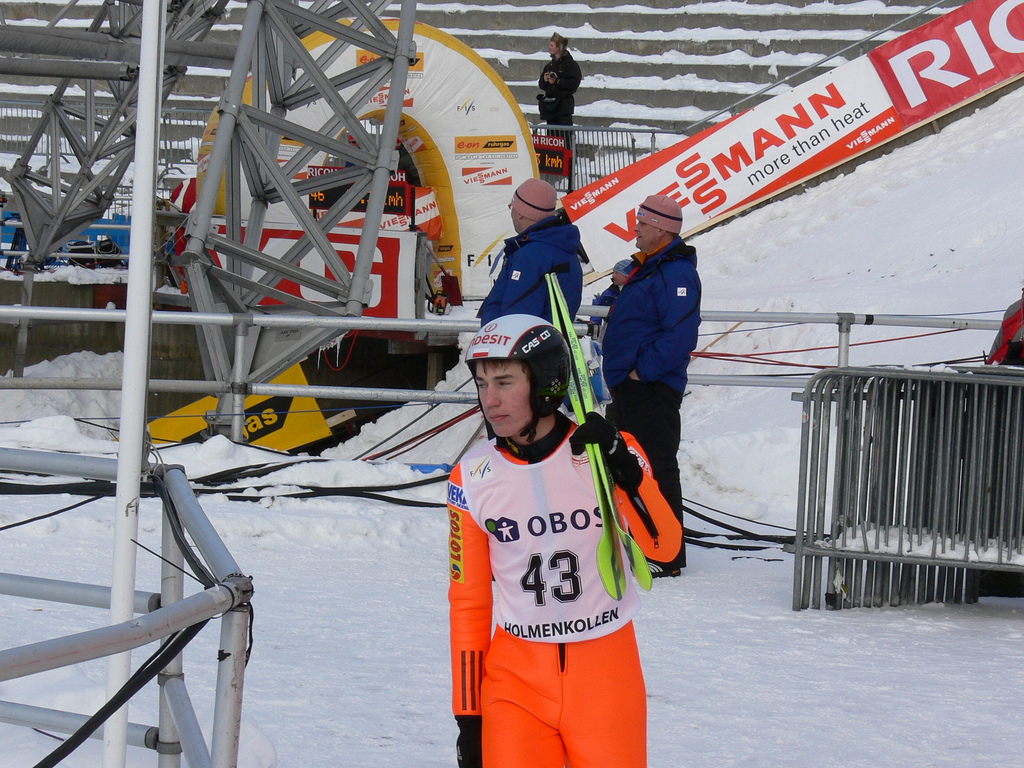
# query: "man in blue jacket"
{"type": "Point", "coordinates": [652, 329]}
{"type": "Point", "coordinates": [544, 242]}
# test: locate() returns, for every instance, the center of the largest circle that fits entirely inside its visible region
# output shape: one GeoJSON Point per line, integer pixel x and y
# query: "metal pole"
{"type": "Point", "coordinates": [238, 384]}
{"type": "Point", "coordinates": [65, 464]}
{"type": "Point", "coordinates": [227, 713]}
{"type": "Point", "coordinates": [28, 271]}
{"type": "Point", "coordinates": [209, 544]}
{"type": "Point", "coordinates": [387, 158]}
{"type": "Point", "coordinates": [172, 590]}
{"type": "Point", "coordinates": [95, 643]}
{"type": "Point", "coordinates": [29, 716]}
{"type": "Point", "coordinates": [230, 104]}
{"type": "Point", "coordinates": [193, 744]}
{"type": "Point", "coordinates": [70, 592]}
{"type": "Point", "coordinates": [136, 363]}
{"type": "Point", "coordinates": [845, 322]}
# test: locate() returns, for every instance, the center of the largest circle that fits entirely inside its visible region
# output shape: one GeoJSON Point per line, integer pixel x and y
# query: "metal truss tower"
{"type": "Point", "coordinates": [273, 74]}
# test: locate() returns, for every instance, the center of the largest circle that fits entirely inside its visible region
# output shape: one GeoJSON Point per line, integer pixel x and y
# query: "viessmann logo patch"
{"type": "Point", "coordinates": [487, 176]}
{"type": "Point", "coordinates": [492, 146]}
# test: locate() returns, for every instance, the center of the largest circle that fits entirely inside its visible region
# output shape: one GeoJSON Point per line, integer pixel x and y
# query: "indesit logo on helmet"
{"type": "Point", "coordinates": [503, 529]}
{"type": "Point", "coordinates": [535, 341]}
{"type": "Point", "coordinates": [491, 338]}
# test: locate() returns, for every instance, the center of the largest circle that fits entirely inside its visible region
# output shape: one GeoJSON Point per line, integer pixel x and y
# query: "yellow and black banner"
{"type": "Point", "coordinates": [278, 422]}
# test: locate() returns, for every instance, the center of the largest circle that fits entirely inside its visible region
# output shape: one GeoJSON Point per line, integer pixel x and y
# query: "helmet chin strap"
{"type": "Point", "coordinates": [530, 432]}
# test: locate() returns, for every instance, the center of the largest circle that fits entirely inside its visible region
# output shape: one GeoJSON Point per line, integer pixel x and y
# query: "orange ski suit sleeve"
{"type": "Point", "coordinates": [471, 600]}
{"type": "Point", "coordinates": [666, 547]}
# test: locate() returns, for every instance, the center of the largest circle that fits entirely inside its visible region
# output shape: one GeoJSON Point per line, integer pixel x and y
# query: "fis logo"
{"type": "Point", "coordinates": [503, 529]}
{"type": "Point", "coordinates": [466, 107]}
{"type": "Point", "coordinates": [481, 470]}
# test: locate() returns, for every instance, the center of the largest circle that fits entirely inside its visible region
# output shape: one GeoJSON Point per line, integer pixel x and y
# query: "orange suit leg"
{"type": "Point", "coordinates": [587, 709]}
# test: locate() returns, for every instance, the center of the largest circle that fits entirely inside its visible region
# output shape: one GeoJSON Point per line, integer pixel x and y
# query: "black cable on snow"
{"type": "Point", "coordinates": [241, 473]}
{"type": "Point", "coordinates": [775, 539]}
{"type": "Point", "coordinates": [338, 490]}
{"type": "Point", "coordinates": [725, 545]}
{"type": "Point", "coordinates": [68, 508]}
{"type": "Point", "coordinates": [79, 488]}
{"type": "Point", "coordinates": [174, 645]}
{"type": "Point", "coordinates": [397, 432]}
{"type": "Point", "coordinates": [739, 517]}
{"type": "Point", "coordinates": [417, 440]}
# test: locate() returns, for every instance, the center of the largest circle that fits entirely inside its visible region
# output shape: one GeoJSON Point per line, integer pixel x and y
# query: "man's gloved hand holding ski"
{"type": "Point", "coordinates": [467, 746]}
{"type": "Point", "coordinates": [621, 462]}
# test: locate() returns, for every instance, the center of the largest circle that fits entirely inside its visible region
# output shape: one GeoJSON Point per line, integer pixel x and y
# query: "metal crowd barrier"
{"type": "Point", "coordinates": [911, 485]}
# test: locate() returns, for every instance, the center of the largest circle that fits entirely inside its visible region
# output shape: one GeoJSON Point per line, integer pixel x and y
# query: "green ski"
{"type": "Point", "coordinates": [581, 396]}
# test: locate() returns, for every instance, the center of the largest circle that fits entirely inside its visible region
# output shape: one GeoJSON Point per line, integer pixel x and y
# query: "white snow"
{"type": "Point", "coordinates": [350, 659]}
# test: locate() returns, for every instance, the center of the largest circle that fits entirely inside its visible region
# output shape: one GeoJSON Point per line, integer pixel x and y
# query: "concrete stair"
{"type": "Point", "coordinates": [652, 63]}
{"type": "Point", "coordinates": [665, 64]}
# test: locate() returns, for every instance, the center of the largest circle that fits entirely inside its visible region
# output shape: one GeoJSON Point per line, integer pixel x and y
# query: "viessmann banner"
{"type": "Point", "coordinates": [817, 125]}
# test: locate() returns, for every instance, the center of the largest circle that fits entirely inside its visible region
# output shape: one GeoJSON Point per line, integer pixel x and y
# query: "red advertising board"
{"type": "Point", "coordinates": [747, 158]}
{"type": "Point", "coordinates": [392, 277]}
{"type": "Point", "coordinates": [952, 59]}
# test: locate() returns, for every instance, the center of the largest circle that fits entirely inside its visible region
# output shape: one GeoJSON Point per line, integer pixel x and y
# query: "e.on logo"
{"type": "Point", "coordinates": [952, 59]}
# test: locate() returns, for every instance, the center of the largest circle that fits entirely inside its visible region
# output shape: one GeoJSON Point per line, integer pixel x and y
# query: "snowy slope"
{"type": "Point", "coordinates": [350, 662]}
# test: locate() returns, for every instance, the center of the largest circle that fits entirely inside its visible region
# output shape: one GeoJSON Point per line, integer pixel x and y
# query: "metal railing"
{"type": "Point", "coordinates": [167, 614]}
{"type": "Point", "coordinates": [444, 331]}
{"type": "Point", "coordinates": [911, 483]}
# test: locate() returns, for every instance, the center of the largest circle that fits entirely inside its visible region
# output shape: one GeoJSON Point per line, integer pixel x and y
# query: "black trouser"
{"type": "Point", "coordinates": [650, 412]}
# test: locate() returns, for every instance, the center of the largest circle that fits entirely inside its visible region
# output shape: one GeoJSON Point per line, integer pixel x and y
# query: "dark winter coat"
{"type": "Point", "coordinates": [652, 327]}
{"type": "Point", "coordinates": [556, 102]}
{"type": "Point", "coordinates": [551, 244]}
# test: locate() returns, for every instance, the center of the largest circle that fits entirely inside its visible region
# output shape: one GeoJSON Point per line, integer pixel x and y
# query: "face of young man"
{"type": "Point", "coordinates": [504, 390]}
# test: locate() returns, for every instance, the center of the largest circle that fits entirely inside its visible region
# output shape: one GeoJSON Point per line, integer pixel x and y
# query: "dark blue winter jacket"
{"type": "Point", "coordinates": [652, 327]}
{"type": "Point", "coordinates": [551, 244]}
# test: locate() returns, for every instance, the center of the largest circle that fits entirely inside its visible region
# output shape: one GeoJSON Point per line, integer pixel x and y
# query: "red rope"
{"type": "Point", "coordinates": [351, 346]}
{"type": "Point", "coordinates": [417, 440]}
{"type": "Point", "coordinates": [757, 357]}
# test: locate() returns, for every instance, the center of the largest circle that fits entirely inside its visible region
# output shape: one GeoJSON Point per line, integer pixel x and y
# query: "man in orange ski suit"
{"type": "Point", "coordinates": [560, 680]}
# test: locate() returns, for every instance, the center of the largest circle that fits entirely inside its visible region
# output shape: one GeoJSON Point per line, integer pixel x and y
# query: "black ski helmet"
{"type": "Point", "coordinates": [538, 344]}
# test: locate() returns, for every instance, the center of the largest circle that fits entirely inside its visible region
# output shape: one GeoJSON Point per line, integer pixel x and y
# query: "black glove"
{"type": "Point", "coordinates": [467, 746]}
{"type": "Point", "coordinates": [622, 464]}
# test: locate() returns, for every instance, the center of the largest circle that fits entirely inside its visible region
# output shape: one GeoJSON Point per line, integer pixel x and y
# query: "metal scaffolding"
{"type": "Point", "coordinates": [274, 80]}
{"type": "Point", "coordinates": [169, 615]}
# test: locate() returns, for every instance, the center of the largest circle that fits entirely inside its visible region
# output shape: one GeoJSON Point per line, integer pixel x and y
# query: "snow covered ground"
{"type": "Point", "coordinates": [350, 659]}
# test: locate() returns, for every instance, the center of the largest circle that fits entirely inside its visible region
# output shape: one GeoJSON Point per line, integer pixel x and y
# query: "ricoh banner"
{"type": "Point", "coordinates": [815, 126]}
